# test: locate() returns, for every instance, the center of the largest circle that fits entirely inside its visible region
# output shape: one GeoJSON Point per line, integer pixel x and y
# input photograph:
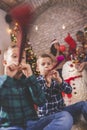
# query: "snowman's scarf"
{"type": "Point", "coordinates": [68, 81]}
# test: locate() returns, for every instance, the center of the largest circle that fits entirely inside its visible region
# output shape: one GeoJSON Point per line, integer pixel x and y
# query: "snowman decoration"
{"type": "Point", "coordinates": [78, 82]}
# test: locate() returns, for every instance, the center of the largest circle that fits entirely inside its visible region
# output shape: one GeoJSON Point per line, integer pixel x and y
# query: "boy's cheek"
{"type": "Point", "coordinates": [23, 62]}
{"type": "Point", "coordinates": [42, 72]}
{"type": "Point", "coordinates": [13, 62]}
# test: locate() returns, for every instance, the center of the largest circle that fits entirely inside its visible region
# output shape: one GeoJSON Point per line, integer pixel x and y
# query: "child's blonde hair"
{"type": "Point", "coordinates": [7, 50]}
{"type": "Point", "coordinates": [44, 55]}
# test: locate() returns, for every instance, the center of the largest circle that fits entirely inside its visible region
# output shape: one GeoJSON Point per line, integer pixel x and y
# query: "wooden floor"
{"type": "Point", "coordinates": [80, 126]}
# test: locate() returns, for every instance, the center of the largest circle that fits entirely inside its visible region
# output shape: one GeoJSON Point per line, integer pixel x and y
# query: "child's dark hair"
{"type": "Point", "coordinates": [80, 33]}
{"type": "Point", "coordinates": [53, 50]}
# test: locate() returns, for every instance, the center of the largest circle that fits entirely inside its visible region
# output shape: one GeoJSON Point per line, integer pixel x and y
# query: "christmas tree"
{"type": "Point", "coordinates": [31, 58]}
{"type": "Point", "coordinates": [30, 55]}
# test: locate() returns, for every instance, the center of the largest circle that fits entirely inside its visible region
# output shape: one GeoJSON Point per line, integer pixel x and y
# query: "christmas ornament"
{"type": "Point", "coordinates": [62, 48]}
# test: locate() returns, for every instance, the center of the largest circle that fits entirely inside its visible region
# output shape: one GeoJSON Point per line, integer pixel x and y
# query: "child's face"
{"type": "Point", "coordinates": [66, 52]}
{"type": "Point", "coordinates": [44, 65]}
{"type": "Point", "coordinates": [80, 38]}
{"type": "Point", "coordinates": [56, 45]}
{"type": "Point", "coordinates": [80, 50]}
{"type": "Point", "coordinates": [13, 55]}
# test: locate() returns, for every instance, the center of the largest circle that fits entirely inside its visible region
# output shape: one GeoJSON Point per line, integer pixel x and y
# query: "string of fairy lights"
{"type": "Point", "coordinates": [14, 33]}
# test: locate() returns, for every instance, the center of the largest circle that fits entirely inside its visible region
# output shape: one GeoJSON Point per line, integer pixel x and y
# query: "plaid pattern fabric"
{"type": "Point", "coordinates": [17, 98]}
{"type": "Point", "coordinates": [54, 100]}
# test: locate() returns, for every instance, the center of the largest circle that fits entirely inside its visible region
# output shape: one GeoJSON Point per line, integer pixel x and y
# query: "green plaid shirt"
{"type": "Point", "coordinates": [17, 99]}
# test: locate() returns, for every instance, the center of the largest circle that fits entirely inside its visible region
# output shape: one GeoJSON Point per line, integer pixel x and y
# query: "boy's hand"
{"type": "Point", "coordinates": [26, 70]}
{"type": "Point", "coordinates": [55, 75]}
{"type": "Point", "coordinates": [11, 70]}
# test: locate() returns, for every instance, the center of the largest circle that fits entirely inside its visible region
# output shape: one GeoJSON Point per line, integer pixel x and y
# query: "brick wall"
{"type": "Point", "coordinates": [50, 23]}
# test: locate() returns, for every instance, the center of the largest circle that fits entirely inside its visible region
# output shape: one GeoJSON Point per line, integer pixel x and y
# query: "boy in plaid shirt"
{"type": "Point", "coordinates": [53, 86]}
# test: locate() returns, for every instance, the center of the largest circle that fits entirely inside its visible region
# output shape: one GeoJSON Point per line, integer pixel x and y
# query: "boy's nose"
{"type": "Point", "coordinates": [46, 65]}
{"type": "Point", "coordinates": [16, 63]}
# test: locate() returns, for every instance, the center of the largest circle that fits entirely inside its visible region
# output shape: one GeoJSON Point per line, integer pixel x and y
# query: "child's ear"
{"type": "Point", "coordinates": [4, 62]}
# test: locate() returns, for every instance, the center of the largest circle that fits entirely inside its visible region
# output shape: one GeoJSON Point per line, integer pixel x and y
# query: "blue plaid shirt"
{"type": "Point", "coordinates": [54, 99]}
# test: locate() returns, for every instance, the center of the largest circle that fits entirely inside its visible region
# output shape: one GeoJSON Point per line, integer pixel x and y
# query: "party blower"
{"type": "Point", "coordinates": [59, 60]}
{"type": "Point", "coordinates": [21, 15]}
